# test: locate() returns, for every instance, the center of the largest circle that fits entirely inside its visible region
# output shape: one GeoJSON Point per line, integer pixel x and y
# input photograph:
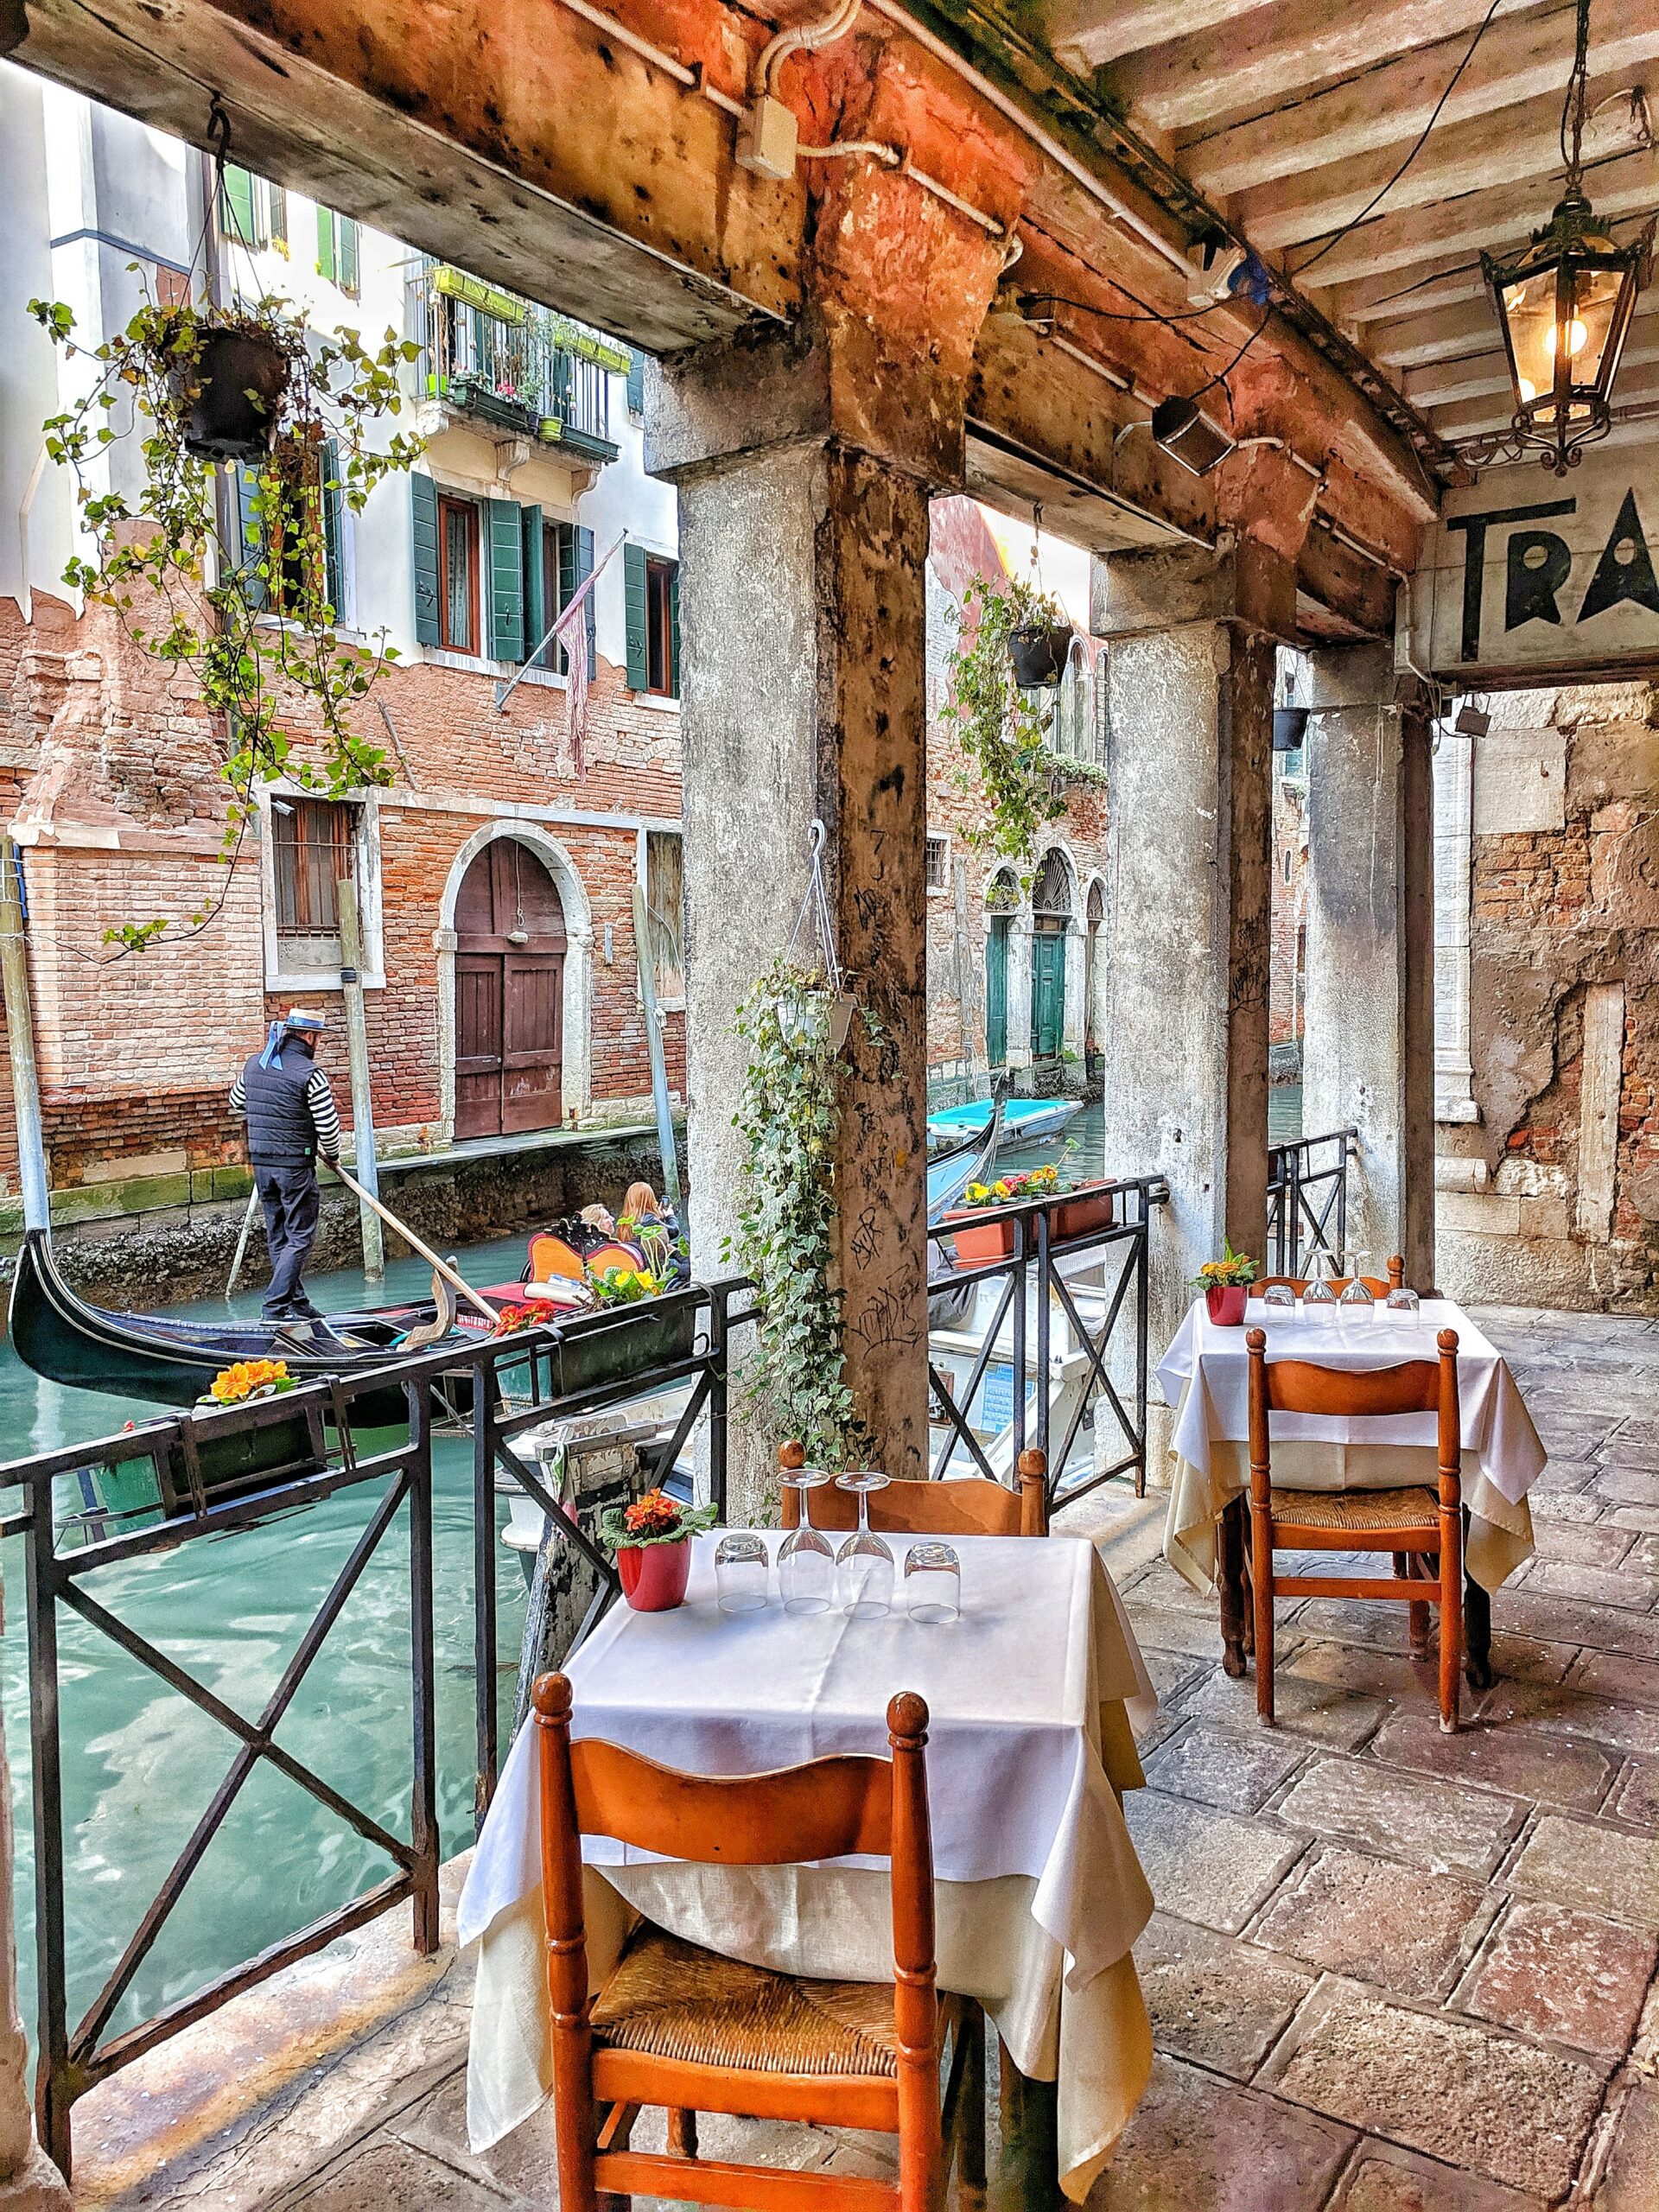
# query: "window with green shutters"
{"type": "Point", "coordinates": [423, 514]}
{"type": "Point", "coordinates": [504, 600]}
{"type": "Point", "coordinates": [536, 615]}
{"type": "Point", "coordinates": [336, 582]}
{"type": "Point", "coordinates": [237, 206]}
{"type": "Point", "coordinates": [337, 249]}
{"type": "Point", "coordinates": [270, 544]}
{"type": "Point", "coordinates": [651, 596]}
{"type": "Point", "coordinates": [636, 382]}
{"type": "Point", "coordinates": [575, 566]}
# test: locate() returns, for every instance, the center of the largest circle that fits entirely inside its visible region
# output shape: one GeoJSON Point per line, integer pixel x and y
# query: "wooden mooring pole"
{"type": "Point", "coordinates": [20, 1037]}
{"type": "Point", "coordinates": [357, 1046]}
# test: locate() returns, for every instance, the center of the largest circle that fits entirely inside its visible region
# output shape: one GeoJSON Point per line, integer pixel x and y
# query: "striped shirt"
{"type": "Point", "coordinates": [320, 1104]}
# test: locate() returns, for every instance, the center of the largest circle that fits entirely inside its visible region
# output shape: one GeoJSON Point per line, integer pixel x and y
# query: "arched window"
{"type": "Point", "coordinates": [1051, 894]}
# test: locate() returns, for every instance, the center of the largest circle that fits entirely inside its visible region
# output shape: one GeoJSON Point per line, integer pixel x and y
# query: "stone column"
{"type": "Point", "coordinates": [1368, 1055]}
{"type": "Point", "coordinates": [803, 547]}
{"type": "Point", "coordinates": [1184, 943]}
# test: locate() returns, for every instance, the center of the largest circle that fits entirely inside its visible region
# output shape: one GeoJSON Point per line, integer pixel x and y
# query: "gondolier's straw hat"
{"type": "Point", "coordinates": [308, 1019]}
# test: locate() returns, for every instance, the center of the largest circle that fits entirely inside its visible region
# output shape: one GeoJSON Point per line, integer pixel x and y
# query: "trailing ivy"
{"type": "Point", "coordinates": [256, 674]}
{"type": "Point", "coordinates": [788, 1116]}
{"type": "Point", "coordinates": [1004, 734]}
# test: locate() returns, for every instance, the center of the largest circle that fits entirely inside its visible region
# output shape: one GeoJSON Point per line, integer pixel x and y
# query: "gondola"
{"type": "Point", "coordinates": [172, 1359]}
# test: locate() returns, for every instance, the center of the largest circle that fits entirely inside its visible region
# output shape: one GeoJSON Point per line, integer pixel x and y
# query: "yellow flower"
{"type": "Point", "coordinates": [245, 1376]}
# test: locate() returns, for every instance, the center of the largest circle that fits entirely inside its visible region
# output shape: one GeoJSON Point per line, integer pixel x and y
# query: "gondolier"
{"type": "Point", "coordinates": [288, 1104]}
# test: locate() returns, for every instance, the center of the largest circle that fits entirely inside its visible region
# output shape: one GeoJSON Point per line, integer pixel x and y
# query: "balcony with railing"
{"type": "Point", "coordinates": [512, 363]}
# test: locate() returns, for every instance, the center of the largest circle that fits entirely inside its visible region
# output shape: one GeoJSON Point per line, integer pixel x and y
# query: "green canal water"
{"type": "Point", "coordinates": [141, 1763]}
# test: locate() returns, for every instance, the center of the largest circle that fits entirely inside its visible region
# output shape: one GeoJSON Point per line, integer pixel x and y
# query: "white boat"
{"type": "Point", "coordinates": [1024, 1120]}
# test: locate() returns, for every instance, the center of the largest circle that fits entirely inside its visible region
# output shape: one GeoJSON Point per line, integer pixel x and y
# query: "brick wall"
{"type": "Point", "coordinates": [1289, 909]}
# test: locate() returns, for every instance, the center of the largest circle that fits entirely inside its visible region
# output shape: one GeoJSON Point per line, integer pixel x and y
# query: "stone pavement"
{"type": "Point", "coordinates": [1390, 1971]}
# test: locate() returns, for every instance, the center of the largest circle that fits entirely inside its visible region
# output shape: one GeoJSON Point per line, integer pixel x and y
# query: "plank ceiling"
{"type": "Point", "coordinates": [1289, 118]}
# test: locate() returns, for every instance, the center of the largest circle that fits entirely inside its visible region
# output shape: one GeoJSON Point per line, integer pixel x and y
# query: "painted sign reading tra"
{"type": "Point", "coordinates": [1531, 579]}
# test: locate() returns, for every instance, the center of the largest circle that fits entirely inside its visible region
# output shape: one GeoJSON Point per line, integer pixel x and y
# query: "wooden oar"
{"type": "Point", "coordinates": [242, 1241]}
{"type": "Point", "coordinates": [415, 1244]}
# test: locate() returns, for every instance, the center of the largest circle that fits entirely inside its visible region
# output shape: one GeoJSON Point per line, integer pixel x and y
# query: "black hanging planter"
{"type": "Point", "coordinates": [240, 377]}
{"type": "Point", "coordinates": [1038, 652]}
{"type": "Point", "coordinates": [1289, 728]}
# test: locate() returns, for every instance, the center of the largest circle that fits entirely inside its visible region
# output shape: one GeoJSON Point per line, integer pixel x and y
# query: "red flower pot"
{"type": "Point", "coordinates": [654, 1576]}
{"type": "Point", "coordinates": [1226, 1303]}
{"type": "Point", "coordinates": [1088, 1208]}
{"type": "Point", "coordinates": [981, 1233]}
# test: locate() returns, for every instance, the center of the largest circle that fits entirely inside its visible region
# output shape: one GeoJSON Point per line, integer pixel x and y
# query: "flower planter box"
{"type": "Point", "coordinates": [244, 1458]}
{"type": "Point", "coordinates": [1089, 1207]}
{"type": "Point", "coordinates": [981, 1232]}
{"type": "Point", "coordinates": [603, 1348]}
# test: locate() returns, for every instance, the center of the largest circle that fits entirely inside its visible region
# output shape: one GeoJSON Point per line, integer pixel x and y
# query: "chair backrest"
{"type": "Point", "coordinates": [963, 1506]}
{"type": "Point", "coordinates": [1302, 1386]}
{"type": "Point", "coordinates": [615, 1253]}
{"type": "Point", "coordinates": [1375, 1284]}
{"type": "Point", "coordinates": [551, 1256]}
{"type": "Point", "coordinates": [825, 1809]}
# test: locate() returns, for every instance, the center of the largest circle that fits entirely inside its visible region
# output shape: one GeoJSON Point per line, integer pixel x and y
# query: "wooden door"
{"type": "Point", "coordinates": [1047, 992]}
{"type": "Point", "coordinates": [996, 992]}
{"type": "Point", "coordinates": [509, 994]}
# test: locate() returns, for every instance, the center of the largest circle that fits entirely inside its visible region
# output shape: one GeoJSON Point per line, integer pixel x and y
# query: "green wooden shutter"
{"type": "Point", "coordinates": [423, 508]}
{"type": "Point", "coordinates": [326, 243]}
{"type": "Point", "coordinates": [674, 632]}
{"type": "Point", "coordinates": [566, 587]}
{"type": "Point", "coordinates": [236, 204]}
{"type": "Point", "coordinates": [636, 382]}
{"type": "Point", "coordinates": [584, 569]}
{"type": "Point", "coordinates": [251, 550]}
{"type": "Point", "coordinates": [506, 560]}
{"type": "Point", "coordinates": [346, 233]}
{"type": "Point", "coordinates": [333, 536]}
{"type": "Point", "coordinates": [633, 590]}
{"type": "Point", "coordinates": [535, 588]}
{"type": "Point", "coordinates": [277, 206]}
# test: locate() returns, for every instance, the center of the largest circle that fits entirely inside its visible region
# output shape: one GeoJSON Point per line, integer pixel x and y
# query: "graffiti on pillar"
{"type": "Point", "coordinates": [1526, 581]}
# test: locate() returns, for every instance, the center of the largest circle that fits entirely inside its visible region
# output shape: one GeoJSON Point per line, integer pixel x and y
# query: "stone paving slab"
{"type": "Point", "coordinates": [1609, 1675]}
{"type": "Point", "coordinates": [1382, 2178]}
{"type": "Point", "coordinates": [1572, 1976]}
{"type": "Point", "coordinates": [1636, 1799]}
{"type": "Point", "coordinates": [1220, 2004]}
{"type": "Point", "coordinates": [1210, 1867]}
{"type": "Point", "coordinates": [1600, 1868]}
{"type": "Point", "coordinates": [1630, 1485]}
{"type": "Point", "coordinates": [389, 2177]}
{"type": "Point", "coordinates": [1329, 1715]}
{"type": "Point", "coordinates": [1401, 1927]}
{"type": "Point", "coordinates": [1604, 1585]}
{"type": "Point", "coordinates": [1629, 2180]}
{"type": "Point", "coordinates": [1567, 1620]}
{"type": "Point", "coordinates": [1439, 1824]}
{"type": "Point", "coordinates": [1523, 1762]}
{"type": "Point", "coordinates": [1560, 1505]}
{"type": "Point", "coordinates": [1197, 2144]}
{"type": "Point", "coordinates": [1571, 1710]}
{"type": "Point", "coordinates": [1224, 1767]}
{"type": "Point", "coordinates": [1644, 1518]}
{"type": "Point", "coordinates": [1509, 2109]}
{"type": "Point", "coordinates": [1590, 1543]}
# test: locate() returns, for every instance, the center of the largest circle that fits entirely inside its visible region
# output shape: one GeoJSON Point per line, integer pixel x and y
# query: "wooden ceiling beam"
{"type": "Point", "coordinates": [1443, 381]}
{"type": "Point", "coordinates": [1525, 59]}
{"type": "Point", "coordinates": [1627, 186]}
{"type": "Point", "coordinates": [1473, 418]}
{"type": "Point", "coordinates": [1090, 31]}
{"type": "Point", "coordinates": [1442, 281]}
{"type": "Point", "coordinates": [1417, 340]}
{"type": "Point", "coordinates": [1516, 147]}
{"type": "Point", "coordinates": [1198, 78]}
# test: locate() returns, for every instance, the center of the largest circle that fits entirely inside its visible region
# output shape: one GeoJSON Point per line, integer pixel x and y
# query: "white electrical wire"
{"type": "Point", "coordinates": [802, 38]}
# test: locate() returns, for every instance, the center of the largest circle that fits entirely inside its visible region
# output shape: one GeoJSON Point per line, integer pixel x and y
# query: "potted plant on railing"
{"type": "Point", "coordinates": [1226, 1285]}
{"type": "Point", "coordinates": [603, 1347]}
{"type": "Point", "coordinates": [259, 1449]}
{"type": "Point", "coordinates": [1075, 1210]}
{"type": "Point", "coordinates": [1015, 642]}
{"type": "Point", "coordinates": [650, 1541]}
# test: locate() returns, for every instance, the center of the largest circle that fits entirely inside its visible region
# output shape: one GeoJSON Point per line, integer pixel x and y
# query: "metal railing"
{"type": "Point", "coordinates": [216, 1475]}
{"type": "Point", "coordinates": [511, 361]}
{"type": "Point", "coordinates": [1057, 1324]}
{"type": "Point", "coordinates": [1307, 1202]}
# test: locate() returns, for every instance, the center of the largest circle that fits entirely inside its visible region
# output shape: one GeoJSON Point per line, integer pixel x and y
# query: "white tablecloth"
{"type": "Point", "coordinates": [1040, 1893]}
{"type": "Point", "coordinates": [1205, 1376]}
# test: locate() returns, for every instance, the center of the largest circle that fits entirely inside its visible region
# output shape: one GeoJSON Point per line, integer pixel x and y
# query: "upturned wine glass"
{"type": "Point", "coordinates": [1319, 1300]}
{"type": "Point", "coordinates": [806, 1558]}
{"type": "Point", "coordinates": [864, 1563]}
{"type": "Point", "coordinates": [1357, 1301]}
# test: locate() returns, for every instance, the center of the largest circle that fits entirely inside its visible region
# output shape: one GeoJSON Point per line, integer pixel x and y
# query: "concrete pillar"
{"type": "Point", "coordinates": [1183, 945]}
{"type": "Point", "coordinates": [802, 601]}
{"type": "Point", "coordinates": [1368, 1056]}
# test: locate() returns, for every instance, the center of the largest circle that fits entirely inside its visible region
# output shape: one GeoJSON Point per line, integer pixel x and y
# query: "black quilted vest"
{"type": "Point", "coordinates": [280, 1133]}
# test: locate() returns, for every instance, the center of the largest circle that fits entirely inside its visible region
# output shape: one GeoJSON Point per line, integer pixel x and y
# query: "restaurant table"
{"type": "Point", "coordinates": [1204, 1374]}
{"type": "Point", "coordinates": [1031, 1695]}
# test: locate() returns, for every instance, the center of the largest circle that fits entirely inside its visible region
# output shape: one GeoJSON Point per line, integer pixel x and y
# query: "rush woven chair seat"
{"type": "Point", "coordinates": [965, 1505]}
{"type": "Point", "coordinates": [681, 2028]}
{"type": "Point", "coordinates": [674, 2000]}
{"type": "Point", "coordinates": [1412, 1522]}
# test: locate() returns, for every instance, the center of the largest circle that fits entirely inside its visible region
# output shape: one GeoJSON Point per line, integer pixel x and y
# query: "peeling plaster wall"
{"type": "Point", "coordinates": [1551, 1197]}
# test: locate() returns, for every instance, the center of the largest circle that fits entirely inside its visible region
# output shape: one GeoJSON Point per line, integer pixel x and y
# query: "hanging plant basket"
{"type": "Point", "coordinates": [812, 1015]}
{"type": "Point", "coordinates": [1289, 728]}
{"type": "Point", "coordinates": [1038, 652]}
{"type": "Point", "coordinates": [235, 388]}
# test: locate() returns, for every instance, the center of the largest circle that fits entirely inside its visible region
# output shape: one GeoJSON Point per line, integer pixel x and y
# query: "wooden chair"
{"type": "Point", "coordinates": [1375, 1284]}
{"type": "Point", "coordinates": [965, 1506]}
{"type": "Point", "coordinates": [681, 2028]}
{"type": "Point", "coordinates": [1402, 1521]}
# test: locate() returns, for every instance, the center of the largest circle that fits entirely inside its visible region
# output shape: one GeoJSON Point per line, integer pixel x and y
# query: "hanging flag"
{"type": "Point", "coordinates": [571, 631]}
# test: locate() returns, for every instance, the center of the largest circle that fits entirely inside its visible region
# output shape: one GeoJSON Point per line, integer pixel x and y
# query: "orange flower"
{"type": "Point", "coordinates": [232, 1384]}
{"type": "Point", "coordinates": [654, 1514]}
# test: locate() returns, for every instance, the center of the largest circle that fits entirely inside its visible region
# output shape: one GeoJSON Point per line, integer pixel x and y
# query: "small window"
{"type": "Point", "coordinates": [278, 510]}
{"type": "Point", "coordinates": [313, 848]}
{"type": "Point", "coordinates": [457, 565]}
{"type": "Point", "coordinates": [1286, 863]}
{"type": "Point", "coordinates": [337, 249]}
{"type": "Point", "coordinates": [241, 207]}
{"type": "Point", "coordinates": [937, 854]}
{"type": "Point", "coordinates": [662, 627]}
{"type": "Point", "coordinates": [664, 911]}
{"type": "Point", "coordinates": [171, 286]}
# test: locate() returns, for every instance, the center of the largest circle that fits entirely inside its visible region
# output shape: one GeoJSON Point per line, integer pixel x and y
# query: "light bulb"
{"type": "Point", "coordinates": [1528, 390]}
{"type": "Point", "coordinates": [1576, 337]}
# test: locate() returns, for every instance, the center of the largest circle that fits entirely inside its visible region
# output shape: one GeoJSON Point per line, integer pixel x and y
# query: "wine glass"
{"type": "Point", "coordinates": [1403, 1302]}
{"type": "Point", "coordinates": [806, 1558]}
{"type": "Point", "coordinates": [864, 1563]}
{"type": "Point", "coordinates": [1357, 1301]}
{"type": "Point", "coordinates": [1319, 1300]}
{"type": "Point", "coordinates": [932, 1582]}
{"type": "Point", "coordinates": [741, 1572]}
{"type": "Point", "coordinates": [1279, 1302]}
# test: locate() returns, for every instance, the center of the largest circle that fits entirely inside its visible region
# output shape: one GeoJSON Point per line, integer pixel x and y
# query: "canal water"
{"type": "Point", "coordinates": [141, 1763]}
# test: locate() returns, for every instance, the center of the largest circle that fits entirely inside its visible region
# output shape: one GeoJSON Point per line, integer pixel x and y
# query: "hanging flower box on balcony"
{"type": "Point", "coordinates": [1090, 1207]}
{"type": "Point", "coordinates": [983, 1229]}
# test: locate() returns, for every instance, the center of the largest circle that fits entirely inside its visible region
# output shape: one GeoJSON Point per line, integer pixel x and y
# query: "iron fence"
{"type": "Point", "coordinates": [1307, 1202]}
{"type": "Point", "coordinates": [1054, 1325]}
{"type": "Point", "coordinates": [213, 1474]}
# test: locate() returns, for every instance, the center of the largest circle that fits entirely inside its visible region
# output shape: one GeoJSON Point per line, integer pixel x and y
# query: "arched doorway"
{"type": "Point", "coordinates": [1002, 901]}
{"type": "Point", "coordinates": [1050, 911]}
{"type": "Point", "coordinates": [510, 954]}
